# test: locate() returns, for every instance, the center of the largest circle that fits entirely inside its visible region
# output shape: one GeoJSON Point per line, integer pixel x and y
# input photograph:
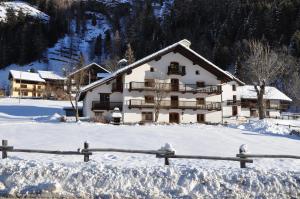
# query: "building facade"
{"type": "Point", "coordinates": [275, 101]}
{"type": "Point", "coordinates": [26, 84]}
{"type": "Point", "coordinates": [173, 85]}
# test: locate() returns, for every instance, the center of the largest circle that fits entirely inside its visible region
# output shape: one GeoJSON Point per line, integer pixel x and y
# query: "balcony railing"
{"type": "Point", "coordinates": [168, 104]}
{"type": "Point", "coordinates": [233, 103]}
{"type": "Point", "coordinates": [168, 87]}
{"type": "Point", "coordinates": [96, 105]}
{"type": "Point", "coordinates": [252, 105]}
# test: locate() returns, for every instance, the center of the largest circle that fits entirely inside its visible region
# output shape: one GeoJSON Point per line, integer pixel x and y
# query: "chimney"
{"type": "Point", "coordinates": [185, 43]}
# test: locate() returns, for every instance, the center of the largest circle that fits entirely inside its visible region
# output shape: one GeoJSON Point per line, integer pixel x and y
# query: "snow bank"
{"type": "Point", "coordinates": [27, 178]}
{"type": "Point", "coordinates": [264, 127]}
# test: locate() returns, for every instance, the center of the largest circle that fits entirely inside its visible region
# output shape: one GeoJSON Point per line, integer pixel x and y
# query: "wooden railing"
{"type": "Point", "coordinates": [86, 152]}
{"type": "Point", "coordinates": [267, 106]}
{"type": "Point", "coordinates": [233, 102]}
{"type": "Point", "coordinates": [168, 104]}
{"type": "Point", "coordinates": [96, 105]}
{"type": "Point", "coordinates": [168, 87]}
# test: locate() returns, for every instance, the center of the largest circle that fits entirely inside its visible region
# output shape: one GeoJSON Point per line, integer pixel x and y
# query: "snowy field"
{"type": "Point", "coordinates": [32, 124]}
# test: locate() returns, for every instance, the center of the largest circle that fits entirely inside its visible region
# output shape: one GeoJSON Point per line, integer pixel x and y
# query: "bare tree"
{"type": "Point", "coordinates": [129, 54]}
{"type": "Point", "coordinates": [112, 64]}
{"type": "Point", "coordinates": [262, 67]}
{"type": "Point", "coordinates": [161, 88]}
{"type": "Point", "coordinates": [74, 85]}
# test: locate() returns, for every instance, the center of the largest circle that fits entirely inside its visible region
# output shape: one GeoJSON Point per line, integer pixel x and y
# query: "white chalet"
{"type": "Point", "coordinates": [274, 100]}
{"type": "Point", "coordinates": [181, 84]}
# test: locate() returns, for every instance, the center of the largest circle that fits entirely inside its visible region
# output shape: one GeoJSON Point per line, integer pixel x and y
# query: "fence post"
{"type": "Point", "coordinates": [4, 149]}
{"type": "Point", "coordinates": [167, 162]}
{"type": "Point", "coordinates": [243, 150]}
{"type": "Point", "coordinates": [86, 153]}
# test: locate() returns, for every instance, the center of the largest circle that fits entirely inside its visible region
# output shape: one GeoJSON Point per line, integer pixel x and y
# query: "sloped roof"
{"type": "Point", "coordinates": [271, 93]}
{"type": "Point", "coordinates": [181, 47]}
{"type": "Point", "coordinates": [50, 75]}
{"type": "Point", "coordinates": [87, 66]}
{"type": "Point", "coordinates": [21, 75]}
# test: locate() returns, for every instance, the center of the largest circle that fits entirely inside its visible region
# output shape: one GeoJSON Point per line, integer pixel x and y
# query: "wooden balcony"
{"type": "Point", "coordinates": [168, 104]}
{"type": "Point", "coordinates": [168, 87]}
{"type": "Point", "coordinates": [252, 105]}
{"type": "Point", "coordinates": [233, 103]}
{"type": "Point", "coordinates": [96, 105]}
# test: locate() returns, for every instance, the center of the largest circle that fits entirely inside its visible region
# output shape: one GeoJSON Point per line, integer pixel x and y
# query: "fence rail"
{"type": "Point", "coordinates": [163, 153]}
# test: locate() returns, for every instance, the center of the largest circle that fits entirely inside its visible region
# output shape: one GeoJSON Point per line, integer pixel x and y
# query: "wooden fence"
{"type": "Point", "coordinates": [86, 152]}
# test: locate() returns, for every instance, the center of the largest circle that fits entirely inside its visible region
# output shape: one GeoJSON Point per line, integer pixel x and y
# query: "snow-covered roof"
{"type": "Point", "coordinates": [21, 75]}
{"type": "Point", "coordinates": [183, 43]}
{"type": "Point", "coordinates": [17, 6]}
{"type": "Point", "coordinates": [87, 66]}
{"type": "Point", "coordinates": [51, 75]}
{"type": "Point", "coordinates": [271, 93]}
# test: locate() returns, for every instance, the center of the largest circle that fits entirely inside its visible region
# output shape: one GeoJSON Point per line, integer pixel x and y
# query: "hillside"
{"type": "Point", "coordinates": [25, 8]}
{"type": "Point", "coordinates": [101, 30]}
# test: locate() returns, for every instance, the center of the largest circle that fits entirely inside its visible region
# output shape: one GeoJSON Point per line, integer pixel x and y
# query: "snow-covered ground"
{"type": "Point", "coordinates": [139, 176]}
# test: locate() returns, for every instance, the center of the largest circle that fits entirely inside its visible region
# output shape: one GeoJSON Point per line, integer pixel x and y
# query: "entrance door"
{"type": "Point", "coordinates": [268, 104]}
{"type": "Point", "coordinates": [174, 101]}
{"type": "Point", "coordinates": [234, 111]}
{"type": "Point", "coordinates": [200, 118]}
{"type": "Point", "coordinates": [174, 118]}
{"type": "Point", "coordinates": [174, 84]}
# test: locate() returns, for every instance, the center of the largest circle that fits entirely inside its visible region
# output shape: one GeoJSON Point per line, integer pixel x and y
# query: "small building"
{"type": "Point", "coordinates": [185, 86]}
{"type": "Point", "coordinates": [275, 101]}
{"type": "Point", "coordinates": [26, 84]}
{"type": "Point", "coordinates": [93, 73]}
{"type": "Point", "coordinates": [54, 83]}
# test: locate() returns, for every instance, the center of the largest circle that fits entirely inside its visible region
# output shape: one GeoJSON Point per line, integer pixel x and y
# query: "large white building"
{"type": "Point", "coordinates": [177, 82]}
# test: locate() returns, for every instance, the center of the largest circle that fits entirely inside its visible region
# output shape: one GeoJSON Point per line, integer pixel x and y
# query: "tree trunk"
{"type": "Point", "coordinates": [260, 100]}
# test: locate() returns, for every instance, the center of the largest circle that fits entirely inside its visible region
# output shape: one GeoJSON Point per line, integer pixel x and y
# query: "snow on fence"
{"type": "Point", "coordinates": [166, 152]}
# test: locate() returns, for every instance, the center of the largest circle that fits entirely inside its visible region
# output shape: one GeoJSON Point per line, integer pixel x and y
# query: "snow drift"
{"type": "Point", "coordinates": [28, 178]}
{"type": "Point", "coordinates": [264, 127]}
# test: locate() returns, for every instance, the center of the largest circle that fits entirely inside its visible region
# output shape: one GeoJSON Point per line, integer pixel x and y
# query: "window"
{"type": "Point", "coordinates": [200, 84]}
{"type": "Point", "coordinates": [104, 97]}
{"type": "Point", "coordinates": [98, 114]}
{"type": "Point", "coordinates": [234, 98]}
{"type": "Point", "coordinates": [200, 101]}
{"type": "Point", "coordinates": [197, 72]}
{"type": "Point", "coordinates": [25, 93]}
{"type": "Point", "coordinates": [149, 82]}
{"type": "Point", "coordinates": [234, 87]}
{"type": "Point", "coordinates": [234, 111]}
{"type": "Point", "coordinates": [23, 86]}
{"type": "Point", "coordinates": [147, 116]}
{"type": "Point", "coordinates": [149, 99]}
{"type": "Point", "coordinates": [39, 87]}
{"type": "Point", "coordinates": [151, 69]}
{"type": "Point", "coordinates": [174, 65]}
{"type": "Point", "coordinates": [200, 118]}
